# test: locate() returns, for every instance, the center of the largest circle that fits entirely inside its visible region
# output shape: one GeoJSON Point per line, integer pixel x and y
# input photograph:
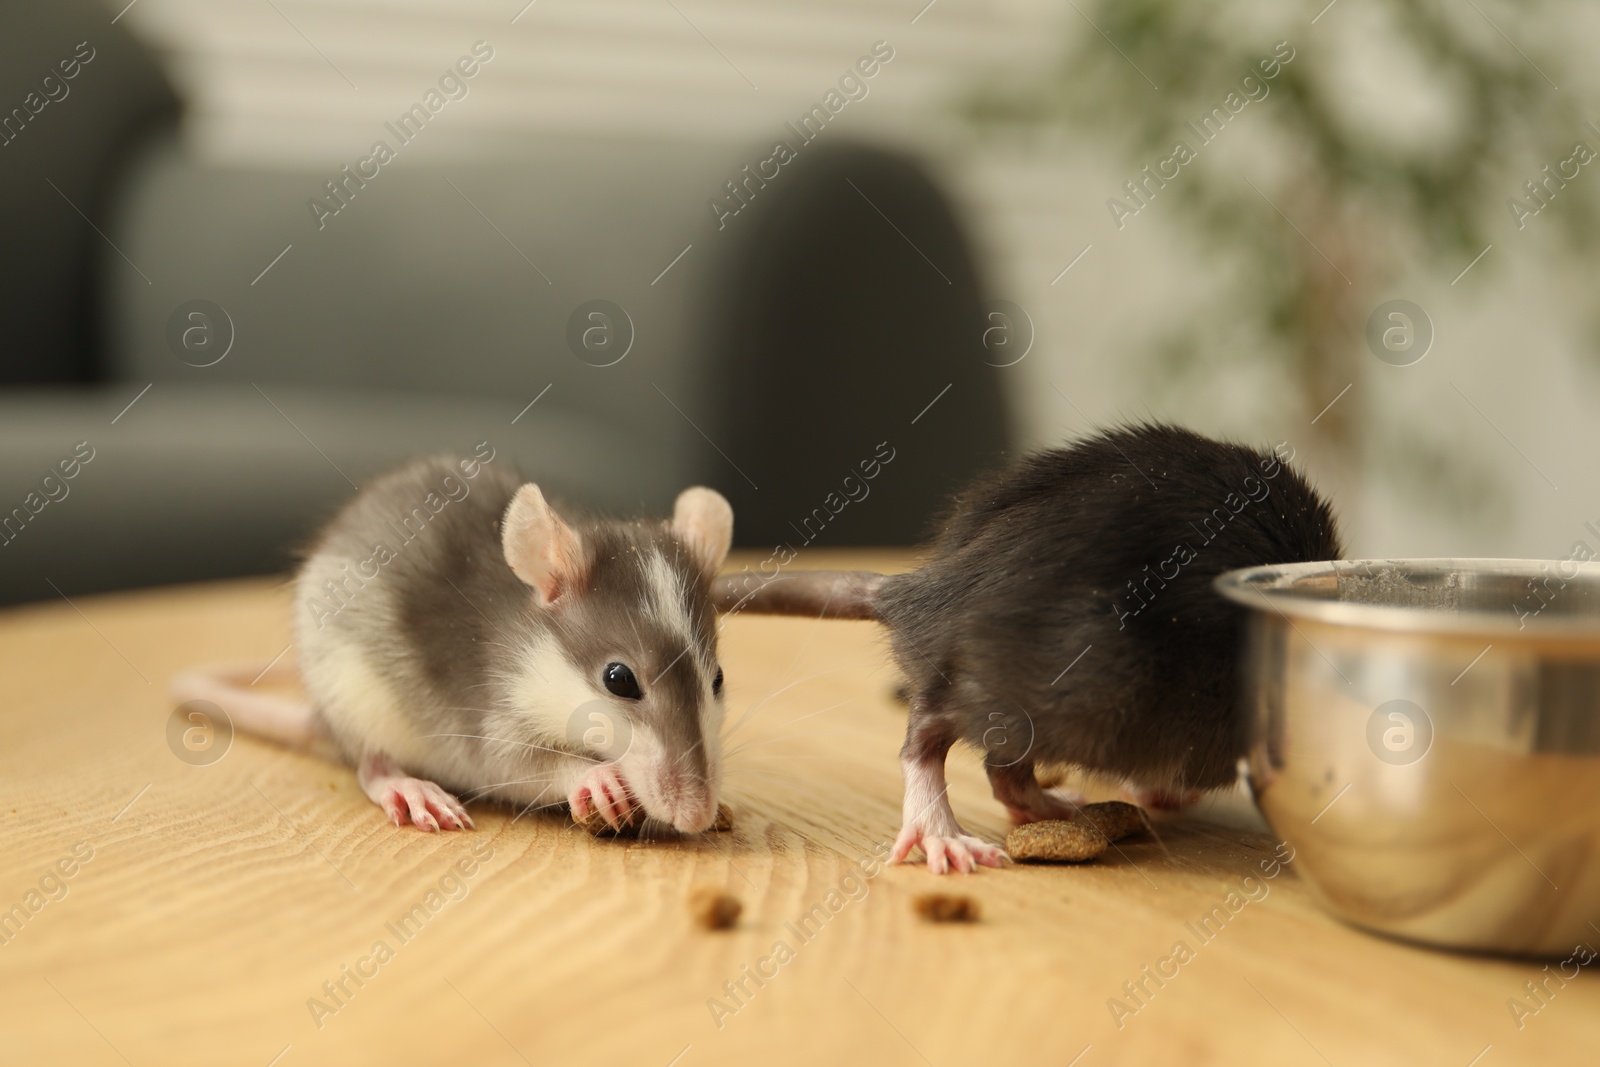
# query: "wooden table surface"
{"type": "Point", "coordinates": [206, 906]}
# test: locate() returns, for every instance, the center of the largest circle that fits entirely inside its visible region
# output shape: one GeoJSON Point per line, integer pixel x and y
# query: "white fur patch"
{"type": "Point", "coordinates": [665, 599]}
{"type": "Point", "coordinates": [670, 606]}
{"type": "Point", "coordinates": [547, 691]}
{"type": "Point", "coordinates": [358, 703]}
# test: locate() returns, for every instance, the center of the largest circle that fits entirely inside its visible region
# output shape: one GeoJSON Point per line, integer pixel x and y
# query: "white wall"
{"type": "Point", "coordinates": [1516, 335]}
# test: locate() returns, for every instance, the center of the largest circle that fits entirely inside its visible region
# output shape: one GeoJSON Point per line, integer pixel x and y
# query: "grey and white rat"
{"type": "Point", "coordinates": [458, 637]}
{"type": "Point", "coordinates": [1065, 616]}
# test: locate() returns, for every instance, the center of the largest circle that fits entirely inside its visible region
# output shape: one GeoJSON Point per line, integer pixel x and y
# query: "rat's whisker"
{"type": "Point", "coordinates": [776, 692]}
{"type": "Point", "coordinates": [767, 772]}
{"type": "Point", "coordinates": [481, 791]}
{"type": "Point", "coordinates": [809, 714]}
{"type": "Point", "coordinates": [745, 746]}
{"type": "Point", "coordinates": [522, 744]}
{"type": "Point", "coordinates": [787, 757]}
{"type": "Point", "coordinates": [541, 807]}
{"type": "Point", "coordinates": [767, 775]}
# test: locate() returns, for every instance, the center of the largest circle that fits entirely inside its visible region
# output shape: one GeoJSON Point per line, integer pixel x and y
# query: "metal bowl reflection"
{"type": "Point", "coordinates": [1426, 735]}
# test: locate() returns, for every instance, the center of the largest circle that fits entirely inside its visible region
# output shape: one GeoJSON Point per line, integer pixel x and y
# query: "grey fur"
{"type": "Point", "coordinates": [448, 625]}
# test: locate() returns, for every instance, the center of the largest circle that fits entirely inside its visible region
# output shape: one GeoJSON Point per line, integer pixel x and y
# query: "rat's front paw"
{"type": "Point", "coordinates": [422, 803]}
{"type": "Point", "coordinates": [404, 799]}
{"type": "Point", "coordinates": [602, 790]}
{"type": "Point", "coordinates": [950, 852]}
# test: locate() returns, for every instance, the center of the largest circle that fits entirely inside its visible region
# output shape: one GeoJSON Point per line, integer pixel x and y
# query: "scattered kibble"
{"type": "Point", "coordinates": [946, 908]}
{"type": "Point", "coordinates": [724, 820]}
{"type": "Point", "coordinates": [714, 909]}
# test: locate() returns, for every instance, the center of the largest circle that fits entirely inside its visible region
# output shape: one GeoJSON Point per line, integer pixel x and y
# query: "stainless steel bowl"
{"type": "Point", "coordinates": [1426, 737]}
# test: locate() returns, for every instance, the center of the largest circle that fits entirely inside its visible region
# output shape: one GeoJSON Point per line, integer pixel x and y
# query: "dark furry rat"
{"type": "Point", "coordinates": [1065, 616]}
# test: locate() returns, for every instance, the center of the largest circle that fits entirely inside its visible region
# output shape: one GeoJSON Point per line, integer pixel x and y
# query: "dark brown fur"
{"type": "Point", "coordinates": [1031, 574]}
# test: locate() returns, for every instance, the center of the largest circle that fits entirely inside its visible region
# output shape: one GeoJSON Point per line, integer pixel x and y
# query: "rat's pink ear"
{"type": "Point", "coordinates": [703, 520]}
{"type": "Point", "coordinates": [542, 549]}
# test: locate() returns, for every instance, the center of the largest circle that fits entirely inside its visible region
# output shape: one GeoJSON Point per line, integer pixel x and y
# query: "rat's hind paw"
{"type": "Point", "coordinates": [421, 803]}
{"type": "Point", "coordinates": [956, 852]}
{"type": "Point", "coordinates": [1048, 804]}
{"type": "Point", "coordinates": [1158, 799]}
{"type": "Point", "coordinates": [603, 791]}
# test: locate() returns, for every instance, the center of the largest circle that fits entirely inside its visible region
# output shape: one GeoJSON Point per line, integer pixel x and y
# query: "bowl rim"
{"type": "Point", "coordinates": [1262, 587]}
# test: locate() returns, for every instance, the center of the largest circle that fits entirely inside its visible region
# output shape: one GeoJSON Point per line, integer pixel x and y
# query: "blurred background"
{"type": "Point", "coordinates": [639, 245]}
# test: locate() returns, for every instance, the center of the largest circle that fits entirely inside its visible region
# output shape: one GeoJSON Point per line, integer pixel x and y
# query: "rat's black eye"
{"type": "Point", "coordinates": [619, 680]}
{"type": "Point", "coordinates": [716, 683]}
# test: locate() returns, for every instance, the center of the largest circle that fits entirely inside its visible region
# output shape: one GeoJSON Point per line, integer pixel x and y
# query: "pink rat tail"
{"type": "Point", "coordinates": [259, 712]}
{"type": "Point", "coordinates": [816, 594]}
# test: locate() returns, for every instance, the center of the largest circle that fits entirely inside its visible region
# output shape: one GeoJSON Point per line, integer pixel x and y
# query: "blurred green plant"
{"type": "Point", "coordinates": [1337, 196]}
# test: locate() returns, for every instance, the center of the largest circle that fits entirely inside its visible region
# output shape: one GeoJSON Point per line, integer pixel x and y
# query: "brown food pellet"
{"type": "Point", "coordinates": [1055, 839]}
{"type": "Point", "coordinates": [1117, 819]}
{"type": "Point", "coordinates": [714, 909]}
{"type": "Point", "coordinates": [596, 826]}
{"type": "Point", "coordinates": [946, 908]}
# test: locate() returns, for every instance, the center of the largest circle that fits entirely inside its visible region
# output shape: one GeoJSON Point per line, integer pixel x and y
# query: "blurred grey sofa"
{"type": "Point", "coordinates": [770, 356]}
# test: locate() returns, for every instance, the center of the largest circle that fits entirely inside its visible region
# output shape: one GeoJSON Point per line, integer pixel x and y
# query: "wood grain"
{"type": "Point", "coordinates": [220, 898]}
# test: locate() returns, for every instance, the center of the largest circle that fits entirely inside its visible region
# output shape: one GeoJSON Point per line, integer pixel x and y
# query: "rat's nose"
{"type": "Point", "coordinates": [692, 810]}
